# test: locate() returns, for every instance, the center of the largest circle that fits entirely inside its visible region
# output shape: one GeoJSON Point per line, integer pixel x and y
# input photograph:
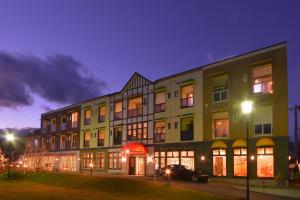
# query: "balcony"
{"type": "Point", "coordinates": [74, 145]}
{"type": "Point", "coordinates": [187, 102]}
{"type": "Point", "coordinates": [52, 146]}
{"type": "Point", "coordinates": [100, 142]}
{"type": "Point", "coordinates": [159, 137]}
{"type": "Point", "coordinates": [101, 118]}
{"type": "Point", "coordinates": [74, 124]}
{"type": "Point", "coordinates": [86, 143]}
{"type": "Point", "coordinates": [62, 146]}
{"type": "Point", "coordinates": [87, 121]}
{"type": "Point", "coordinates": [63, 126]}
{"type": "Point", "coordinates": [134, 112]}
{"type": "Point", "coordinates": [159, 107]}
{"type": "Point", "coordinates": [187, 135]}
{"type": "Point", "coordinates": [118, 115]}
{"type": "Point", "coordinates": [53, 128]}
{"type": "Point", "coordinates": [221, 132]}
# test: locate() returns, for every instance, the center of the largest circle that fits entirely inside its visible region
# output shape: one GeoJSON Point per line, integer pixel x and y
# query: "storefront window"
{"type": "Point", "coordinates": [100, 160]}
{"type": "Point", "coordinates": [265, 162]}
{"type": "Point", "coordinates": [187, 159]}
{"type": "Point", "coordinates": [87, 159]}
{"type": "Point", "coordinates": [162, 159]}
{"type": "Point", "coordinates": [115, 161]}
{"type": "Point", "coordinates": [240, 162]}
{"type": "Point", "coordinates": [172, 157]}
{"type": "Point", "coordinates": [219, 162]}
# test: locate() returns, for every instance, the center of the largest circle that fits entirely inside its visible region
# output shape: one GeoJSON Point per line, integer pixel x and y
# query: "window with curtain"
{"type": "Point", "coordinates": [102, 110]}
{"type": "Point", "coordinates": [262, 79]}
{"type": "Point", "coordinates": [87, 117]}
{"type": "Point", "coordinates": [118, 110]}
{"type": "Point", "coordinates": [219, 162]}
{"type": "Point", "coordinates": [187, 96]}
{"type": "Point", "coordinates": [160, 102]}
{"type": "Point", "coordinates": [135, 107]}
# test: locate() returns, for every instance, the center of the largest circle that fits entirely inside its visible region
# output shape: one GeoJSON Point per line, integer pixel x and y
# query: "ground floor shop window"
{"type": "Point", "coordinates": [240, 162]}
{"type": "Point", "coordinates": [87, 159]}
{"type": "Point", "coordinates": [162, 159]}
{"type": "Point", "coordinates": [156, 160]}
{"type": "Point", "coordinates": [187, 159]}
{"type": "Point", "coordinates": [100, 160]}
{"type": "Point", "coordinates": [172, 157]}
{"type": "Point", "coordinates": [115, 161]}
{"type": "Point", "coordinates": [265, 162]}
{"type": "Point", "coordinates": [219, 162]}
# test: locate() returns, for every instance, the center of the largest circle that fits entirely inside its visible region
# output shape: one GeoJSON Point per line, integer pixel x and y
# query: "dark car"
{"type": "Point", "coordinates": [180, 172]}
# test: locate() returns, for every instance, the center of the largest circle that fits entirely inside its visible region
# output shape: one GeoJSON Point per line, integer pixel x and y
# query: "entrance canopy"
{"type": "Point", "coordinates": [134, 148]}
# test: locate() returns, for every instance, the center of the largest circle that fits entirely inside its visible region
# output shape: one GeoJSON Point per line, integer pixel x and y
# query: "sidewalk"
{"type": "Point", "coordinates": [220, 189]}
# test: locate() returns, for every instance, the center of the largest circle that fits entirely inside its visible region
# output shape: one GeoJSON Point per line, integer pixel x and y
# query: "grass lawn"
{"type": "Point", "coordinates": [76, 187]}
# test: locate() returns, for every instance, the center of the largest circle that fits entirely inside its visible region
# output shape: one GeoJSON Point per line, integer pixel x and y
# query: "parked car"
{"type": "Point", "coordinates": [180, 172]}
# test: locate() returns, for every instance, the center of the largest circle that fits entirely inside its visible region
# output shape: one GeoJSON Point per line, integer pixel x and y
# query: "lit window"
{"type": "Point", "coordinates": [118, 110]}
{"type": "Point", "coordinates": [262, 79]}
{"type": "Point", "coordinates": [187, 96]}
{"type": "Point", "coordinates": [137, 131]}
{"type": "Point", "coordinates": [74, 119]}
{"type": "Point", "coordinates": [172, 157]}
{"type": "Point", "coordinates": [160, 131]}
{"type": "Point", "coordinates": [101, 135]}
{"type": "Point", "coordinates": [219, 162]}
{"type": "Point", "coordinates": [87, 159]}
{"type": "Point", "coordinates": [135, 107]}
{"type": "Point", "coordinates": [240, 162]}
{"type": "Point", "coordinates": [220, 88]}
{"type": "Point", "coordinates": [220, 125]}
{"type": "Point", "coordinates": [265, 162]}
{"type": "Point", "coordinates": [160, 99]}
{"type": "Point", "coordinates": [115, 161]}
{"type": "Point", "coordinates": [62, 142]}
{"type": "Point", "coordinates": [102, 110]}
{"type": "Point", "coordinates": [100, 160]}
{"type": "Point", "coordinates": [187, 159]}
{"type": "Point", "coordinates": [87, 138]}
{"type": "Point", "coordinates": [87, 117]}
{"type": "Point", "coordinates": [162, 159]}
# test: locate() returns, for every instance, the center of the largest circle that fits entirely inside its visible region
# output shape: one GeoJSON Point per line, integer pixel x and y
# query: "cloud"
{"type": "Point", "coordinates": [56, 78]}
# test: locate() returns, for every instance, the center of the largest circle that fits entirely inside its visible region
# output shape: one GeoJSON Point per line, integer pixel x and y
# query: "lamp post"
{"type": "Point", "coordinates": [168, 171]}
{"type": "Point", "coordinates": [91, 167]}
{"type": "Point", "coordinates": [10, 138]}
{"type": "Point", "coordinates": [247, 109]}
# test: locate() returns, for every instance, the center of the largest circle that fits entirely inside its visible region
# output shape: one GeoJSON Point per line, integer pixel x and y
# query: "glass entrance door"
{"type": "Point", "coordinates": [132, 165]}
{"type": "Point", "coordinates": [140, 166]}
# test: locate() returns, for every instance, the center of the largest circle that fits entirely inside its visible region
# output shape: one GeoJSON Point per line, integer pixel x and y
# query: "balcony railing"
{"type": "Point", "coordinates": [100, 142]}
{"type": "Point", "coordinates": [117, 141]}
{"type": "Point", "coordinates": [134, 112]}
{"type": "Point", "coordinates": [118, 115]}
{"type": "Point", "coordinates": [52, 146]}
{"type": "Point", "coordinates": [87, 121]}
{"type": "Point", "coordinates": [159, 137]}
{"type": "Point", "coordinates": [159, 107]}
{"type": "Point", "coordinates": [101, 118]}
{"type": "Point", "coordinates": [63, 126]}
{"type": "Point", "coordinates": [53, 128]}
{"type": "Point", "coordinates": [74, 124]}
{"type": "Point", "coordinates": [187, 102]}
{"type": "Point", "coordinates": [221, 132]}
{"type": "Point", "coordinates": [62, 146]}
{"type": "Point", "coordinates": [187, 135]}
{"type": "Point", "coordinates": [74, 144]}
{"type": "Point", "coordinates": [86, 143]}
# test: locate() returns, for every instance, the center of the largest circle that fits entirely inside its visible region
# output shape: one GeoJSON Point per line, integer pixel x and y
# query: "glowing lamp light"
{"type": "Point", "coordinates": [168, 172]}
{"type": "Point", "coordinates": [91, 165]}
{"type": "Point", "coordinates": [25, 166]}
{"type": "Point", "coordinates": [252, 157]}
{"type": "Point", "coordinates": [202, 158]}
{"type": "Point", "coordinates": [10, 137]}
{"type": "Point", "coordinates": [78, 158]}
{"type": "Point", "coordinates": [149, 159]}
{"type": "Point", "coordinates": [123, 159]}
{"type": "Point", "coordinates": [290, 157]}
{"type": "Point", "coordinates": [247, 107]}
{"type": "Point", "coordinates": [56, 159]}
{"type": "Point", "coordinates": [127, 151]}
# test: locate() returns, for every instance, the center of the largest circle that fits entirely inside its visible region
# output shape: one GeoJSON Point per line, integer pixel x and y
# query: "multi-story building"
{"type": "Point", "coordinates": [59, 140]}
{"type": "Point", "coordinates": [191, 118]}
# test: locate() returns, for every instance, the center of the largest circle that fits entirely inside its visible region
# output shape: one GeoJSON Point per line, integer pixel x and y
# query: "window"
{"type": "Point", "coordinates": [262, 79]}
{"type": "Point", "coordinates": [74, 119]}
{"type": "Point", "coordinates": [53, 124]}
{"type": "Point", "coordinates": [87, 138]}
{"type": "Point", "coordinates": [135, 107]}
{"type": "Point", "coordinates": [219, 162]}
{"type": "Point", "coordinates": [187, 96]}
{"type": "Point", "coordinates": [101, 134]}
{"type": "Point", "coordinates": [187, 159]}
{"type": "Point", "coordinates": [187, 129]}
{"type": "Point", "coordinates": [87, 159]}
{"type": "Point", "coordinates": [220, 88]}
{"type": "Point", "coordinates": [176, 125]}
{"type": "Point", "coordinates": [62, 142]}
{"type": "Point", "coordinates": [160, 131]}
{"type": "Point", "coordinates": [240, 162]}
{"type": "Point", "coordinates": [176, 93]}
{"type": "Point", "coordinates": [100, 160]}
{"type": "Point", "coordinates": [44, 126]}
{"type": "Point", "coordinates": [117, 135]}
{"type": "Point", "coordinates": [87, 117]}
{"type": "Point", "coordinates": [74, 141]}
{"type": "Point", "coordinates": [118, 110]}
{"type": "Point", "coordinates": [102, 110]}
{"type": "Point", "coordinates": [265, 162]}
{"type": "Point", "coordinates": [137, 131]}
{"type": "Point", "coordinates": [262, 119]}
{"type": "Point", "coordinates": [162, 159]}
{"type": "Point", "coordinates": [115, 161]}
{"type": "Point", "coordinates": [63, 122]}
{"type": "Point", "coordinates": [169, 125]}
{"type": "Point", "coordinates": [156, 160]}
{"type": "Point", "coordinates": [52, 146]}
{"type": "Point", "coordinates": [169, 95]}
{"type": "Point", "coordinates": [220, 125]}
{"type": "Point", "coordinates": [160, 102]}
{"type": "Point", "coordinates": [172, 157]}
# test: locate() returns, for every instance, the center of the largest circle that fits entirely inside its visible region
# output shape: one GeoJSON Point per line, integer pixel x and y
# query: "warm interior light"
{"type": "Point", "coordinates": [168, 171]}
{"type": "Point", "coordinates": [123, 159]}
{"type": "Point", "coordinates": [252, 157]}
{"type": "Point", "coordinates": [127, 151]}
{"type": "Point", "coordinates": [202, 158]}
{"type": "Point", "coordinates": [290, 157]}
{"type": "Point", "coordinates": [91, 165]}
{"type": "Point", "coordinates": [246, 107]}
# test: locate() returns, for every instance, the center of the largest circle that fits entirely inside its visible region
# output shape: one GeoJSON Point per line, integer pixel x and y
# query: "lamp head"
{"type": "Point", "coordinates": [247, 106]}
{"type": "Point", "coordinates": [10, 137]}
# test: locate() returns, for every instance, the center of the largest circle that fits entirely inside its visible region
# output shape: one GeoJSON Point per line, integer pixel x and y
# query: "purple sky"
{"type": "Point", "coordinates": [107, 41]}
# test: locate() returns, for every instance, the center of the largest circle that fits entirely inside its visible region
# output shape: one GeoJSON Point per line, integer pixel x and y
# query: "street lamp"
{"type": "Point", "coordinates": [10, 138]}
{"type": "Point", "coordinates": [168, 172]}
{"type": "Point", "coordinates": [246, 110]}
{"type": "Point", "coordinates": [91, 167]}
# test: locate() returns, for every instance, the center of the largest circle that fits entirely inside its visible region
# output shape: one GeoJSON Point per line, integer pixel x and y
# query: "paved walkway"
{"type": "Point", "coordinates": [220, 189]}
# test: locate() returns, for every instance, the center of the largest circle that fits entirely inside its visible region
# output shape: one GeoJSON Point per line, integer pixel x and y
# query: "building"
{"type": "Point", "coordinates": [191, 118]}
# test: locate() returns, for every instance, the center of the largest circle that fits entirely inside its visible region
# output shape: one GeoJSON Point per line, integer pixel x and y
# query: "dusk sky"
{"type": "Point", "coordinates": [57, 52]}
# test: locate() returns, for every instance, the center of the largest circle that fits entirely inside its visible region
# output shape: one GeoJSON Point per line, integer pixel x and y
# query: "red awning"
{"type": "Point", "coordinates": [134, 148]}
